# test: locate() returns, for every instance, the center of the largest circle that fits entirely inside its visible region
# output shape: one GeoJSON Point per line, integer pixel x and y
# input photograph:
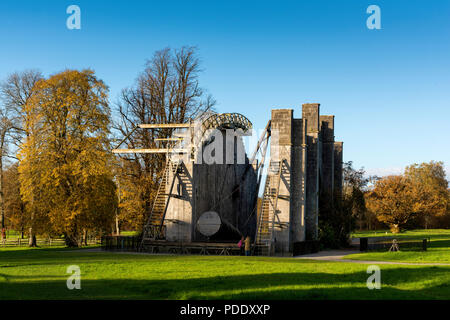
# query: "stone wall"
{"type": "Point", "coordinates": [298, 195]}
{"type": "Point", "coordinates": [310, 113]}
{"type": "Point", "coordinates": [338, 162]}
{"type": "Point", "coordinates": [327, 168]}
{"type": "Point", "coordinates": [281, 150]}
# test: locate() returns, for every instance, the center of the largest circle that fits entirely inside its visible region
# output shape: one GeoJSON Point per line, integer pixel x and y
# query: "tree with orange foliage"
{"type": "Point", "coordinates": [14, 207]}
{"type": "Point", "coordinates": [393, 200]}
{"type": "Point", "coordinates": [430, 187]}
{"type": "Point", "coordinates": [65, 164]}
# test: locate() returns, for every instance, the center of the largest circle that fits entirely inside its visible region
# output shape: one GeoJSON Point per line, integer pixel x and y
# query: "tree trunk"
{"type": "Point", "coordinates": [85, 235]}
{"type": "Point", "coordinates": [71, 241]}
{"type": "Point", "coordinates": [32, 238]}
{"type": "Point", "coordinates": [395, 228]}
{"type": "Point", "coordinates": [117, 226]}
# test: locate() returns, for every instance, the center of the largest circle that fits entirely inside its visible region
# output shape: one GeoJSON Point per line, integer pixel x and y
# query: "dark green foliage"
{"type": "Point", "coordinates": [337, 218]}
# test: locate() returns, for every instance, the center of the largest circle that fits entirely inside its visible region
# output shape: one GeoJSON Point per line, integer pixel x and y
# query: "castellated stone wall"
{"type": "Point", "coordinates": [307, 146]}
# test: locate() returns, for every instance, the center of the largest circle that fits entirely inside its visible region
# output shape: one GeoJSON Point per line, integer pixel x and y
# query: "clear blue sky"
{"type": "Point", "coordinates": [389, 88]}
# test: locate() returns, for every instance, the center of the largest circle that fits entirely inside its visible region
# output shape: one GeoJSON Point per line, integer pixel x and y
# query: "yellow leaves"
{"type": "Point", "coordinates": [65, 150]}
{"type": "Point", "coordinates": [421, 190]}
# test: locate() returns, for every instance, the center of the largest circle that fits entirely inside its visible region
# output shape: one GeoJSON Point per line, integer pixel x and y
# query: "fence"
{"type": "Point", "coordinates": [41, 242]}
{"type": "Point", "coordinates": [385, 243]}
{"type": "Point", "coordinates": [133, 243]}
{"type": "Point", "coordinates": [125, 243]}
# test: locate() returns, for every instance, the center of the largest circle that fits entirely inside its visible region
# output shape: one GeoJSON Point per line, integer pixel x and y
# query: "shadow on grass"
{"type": "Point", "coordinates": [296, 285]}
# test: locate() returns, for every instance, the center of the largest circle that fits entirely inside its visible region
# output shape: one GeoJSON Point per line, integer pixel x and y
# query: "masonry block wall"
{"type": "Point", "coordinates": [314, 161]}
{"type": "Point", "coordinates": [298, 169]}
{"type": "Point", "coordinates": [327, 168]}
{"type": "Point", "coordinates": [311, 113]}
{"type": "Point", "coordinates": [282, 130]}
{"type": "Point", "coordinates": [338, 161]}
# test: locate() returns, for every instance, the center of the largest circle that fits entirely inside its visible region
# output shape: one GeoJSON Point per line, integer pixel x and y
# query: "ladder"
{"type": "Point", "coordinates": [264, 236]}
{"type": "Point", "coordinates": [154, 227]}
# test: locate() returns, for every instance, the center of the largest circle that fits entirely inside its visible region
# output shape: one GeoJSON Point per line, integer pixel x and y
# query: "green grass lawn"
{"type": "Point", "coordinates": [438, 247]}
{"type": "Point", "coordinates": [41, 274]}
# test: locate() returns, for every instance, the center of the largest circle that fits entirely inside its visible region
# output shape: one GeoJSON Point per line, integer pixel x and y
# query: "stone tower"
{"type": "Point", "coordinates": [288, 146]}
{"type": "Point", "coordinates": [312, 169]}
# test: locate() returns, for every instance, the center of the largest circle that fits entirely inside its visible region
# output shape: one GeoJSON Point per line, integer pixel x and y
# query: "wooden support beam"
{"type": "Point", "coordinates": [150, 151]}
{"type": "Point", "coordinates": [129, 134]}
{"type": "Point", "coordinates": [163, 125]}
{"type": "Point", "coordinates": [181, 135]}
{"type": "Point", "coordinates": [169, 139]}
{"type": "Point", "coordinates": [261, 139]}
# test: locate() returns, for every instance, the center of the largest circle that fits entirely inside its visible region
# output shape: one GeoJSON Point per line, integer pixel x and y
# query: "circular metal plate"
{"type": "Point", "coordinates": [209, 223]}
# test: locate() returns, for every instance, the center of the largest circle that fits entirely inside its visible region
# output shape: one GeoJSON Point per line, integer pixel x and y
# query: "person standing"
{"type": "Point", "coordinates": [247, 246]}
{"type": "Point", "coordinates": [241, 246]}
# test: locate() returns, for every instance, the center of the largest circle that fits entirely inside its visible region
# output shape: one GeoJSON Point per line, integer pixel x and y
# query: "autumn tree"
{"type": "Point", "coordinates": [16, 216]}
{"type": "Point", "coordinates": [430, 187]}
{"type": "Point", "coordinates": [393, 200]}
{"type": "Point", "coordinates": [15, 93]}
{"type": "Point", "coordinates": [167, 91]}
{"type": "Point", "coordinates": [421, 193]}
{"type": "Point", "coordinates": [65, 164]}
{"type": "Point", "coordinates": [5, 128]}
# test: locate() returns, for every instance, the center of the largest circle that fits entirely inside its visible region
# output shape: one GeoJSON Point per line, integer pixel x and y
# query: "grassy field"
{"type": "Point", "coordinates": [438, 247]}
{"type": "Point", "coordinates": [41, 274]}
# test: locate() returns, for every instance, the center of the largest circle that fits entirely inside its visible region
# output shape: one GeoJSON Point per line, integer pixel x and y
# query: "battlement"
{"type": "Point", "coordinates": [314, 162]}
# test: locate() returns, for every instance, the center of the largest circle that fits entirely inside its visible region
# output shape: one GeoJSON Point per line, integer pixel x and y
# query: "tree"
{"type": "Point", "coordinates": [65, 159]}
{"type": "Point", "coordinates": [5, 128]}
{"type": "Point", "coordinates": [393, 200]}
{"type": "Point", "coordinates": [355, 185]}
{"type": "Point", "coordinates": [15, 92]}
{"type": "Point", "coordinates": [338, 219]}
{"type": "Point", "coordinates": [167, 91]}
{"type": "Point", "coordinates": [14, 206]}
{"type": "Point", "coordinates": [430, 187]}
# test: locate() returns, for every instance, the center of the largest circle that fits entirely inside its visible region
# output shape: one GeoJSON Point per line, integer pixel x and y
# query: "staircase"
{"type": "Point", "coordinates": [264, 236]}
{"type": "Point", "coordinates": [153, 230]}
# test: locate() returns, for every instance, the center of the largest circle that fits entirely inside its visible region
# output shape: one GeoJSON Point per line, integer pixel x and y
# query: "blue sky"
{"type": "Point", "coordinates": [389, 88]}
